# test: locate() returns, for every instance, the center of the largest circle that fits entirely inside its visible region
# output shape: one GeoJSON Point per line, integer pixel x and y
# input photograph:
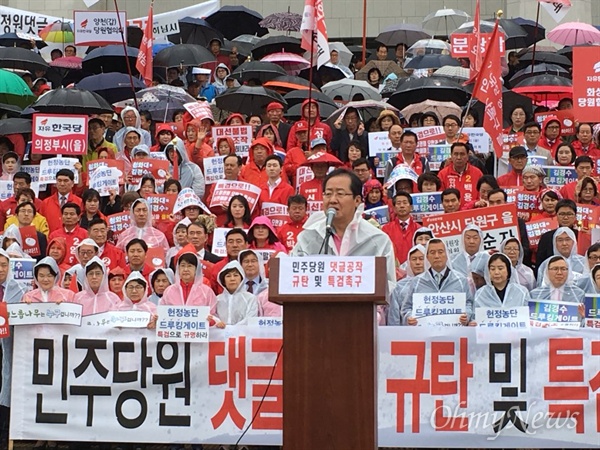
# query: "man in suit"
{"type": "Point", "coordinates": [353, 130]}
{"type": "Point", "coordinates": [197, 235]}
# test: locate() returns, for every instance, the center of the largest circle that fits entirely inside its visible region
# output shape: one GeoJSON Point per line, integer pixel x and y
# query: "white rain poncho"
{"type": "Point", "coordinates": [462, 262]}
{"type": "Point", "coordinates": [119, 137]}
{"type": "Point", "coordinates": [393, 314]}
{"type": "Point", "coordinates": [426, 283]}
{"type": "Point", "coordinates": [578, 265]}
{"type": "Point", "coordinates": [152, 236]}
{"type": "Point", "coordinates": [190, 175]}
{"type": "Point", "coordinates": [155, 298]}
{"type": "Point", "coordinates": [264, 281]}
{"type": "Point", "coordinates": [144, 304]}
{"type": "Point", "coordinates": [176, 247]}
{"type": "Point", "coordinates": [566, 292]}
{"type": "Point", "coordinates": [235, 308]}
{"type": "Point", "coordinates": [525, 276]}
{"type": "Point", "coordinates": [97, 302]}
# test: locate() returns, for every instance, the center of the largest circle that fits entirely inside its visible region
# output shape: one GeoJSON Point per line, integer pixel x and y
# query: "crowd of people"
{"type": "Point", "coordinates": [82, 259]}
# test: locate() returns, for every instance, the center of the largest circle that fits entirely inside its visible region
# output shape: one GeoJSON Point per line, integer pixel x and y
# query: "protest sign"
{"type": "Point", "coordinates": [105, 180]}
{"type": "Point", "coordinates": [498, 223]}
{"type": "Point", "coordinates": [224, 190]}
{"type": "Point", "coordinates": [437, 154]}
{"type": "Point", "coordinates": [119, 319]}
{"type": "Point", "coordinates": [277, 212]}
{"type": "Point", "coordinates": [187, 197]}
{"type": "Point", "coordinates": [6, 189]}
{"type": "Point", "coordinates": [592, 311]}
{"type": "Point", "coordinates": [118, 164]}
{"type": "Point", "coordinates": [536, 228]}
{"type": "Point", "coordinates": [117, 223]}
{"type": "Point", "coordinates": [439, 309]}
{"type": "Point", "coordinates": [59, 134]}
{"type": "Point", "coordinates": [241, 135]}
{"type": "Point", "coordinates": [565, 117]}
{"type": "Point", "coordinates": [586, 84]}
{"type": "Point", "coordinates": [50, 167]}
{"type": "Point", "coordinates": [265, 322]}
{"type": "Point", "coordinates": [155, 256]}
{"type": "Point", "coordinates": [182, 323]}
{"type": "Point", "coordinates": [510, 141]}
{"type": "Point", "coordinates": [203, 374]}
{"type": "Point", "coordinates": [303, 174]}
{"type": "Point", "coordinates": [553, 314]}
{"type": "Point", "coordinates": [22, 271]}
{"type": "Point", "coordinates": [558, 176]}
{"type": "Point", "coordinates": [515, 317]}
{"type": "Point", "coordinates": [218, 247]}
{"type": "Point", "coordinates": [381, 214]}
{"type": "Point", "coordinates": [164, 26]}
{"type": "Point", "coordinates": [157, 168]}
{"type": "Point", "coordinates": [401, 172]}
{"type": "Point", "coordinates": [330, 275]}
{"type": "Point", "coordinates": [585, 215]}
{"type": "Point", "coordinates": [426, 203]}
{"type": "Point", "coordinates": [214, 169]}
{"type": "Point", "coordinates": [4, 328]}
{"type": "Point", "coordinates": [99, 27]}
{"type": "Point", "coordinates": [33, 171]}
{"type": "Point", "coordinates": [65, 313]}
{"type": "Point", "coordinates": [161, 206]}
{"type": "Point", "coordinates": [199, 110]}
{"type": "Point", "coordinates": [527, 203]}
{"type": "Point", "coordinates": [31, 243]}
{"type": "Point", "coordinates": [379, 142]}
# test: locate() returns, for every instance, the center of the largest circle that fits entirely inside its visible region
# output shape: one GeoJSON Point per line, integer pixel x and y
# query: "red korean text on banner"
{"type": "Point", "coordinates": [4, 328]}
{"type": "Point", "coordinates": [565, 117]}
{"type": "Point", "coordinates": [161, 206]}
{"type": "Point", "coordinates": [117, 223]}
{"type": "Point", "coordinates": [462, 44]}
{"type": "Point", "coordinates": [488, 90]}
{"type": "Point", "coordinates": [199, 110]}
{"type": "Point", "coordinates": [31, 244]}
{"type": "Point", "coordinates": [527, 203]}
{"type": "Point", "coordinates": [158, 168]}
{"type": "Point", "coordinates": [586, 83]}
{"type": "Point", "coordinates": [241, 135]}
{"type": "Point", "coordinates": [144, 58]}
{"type": "Point", "coordinates": [224, 190]}
{"type": "Point", "coordinates": [59, 134]}
{"type": "Point", "coordinates": [277, 212]}
{"type": "Point", "coordinates": [117, 163]}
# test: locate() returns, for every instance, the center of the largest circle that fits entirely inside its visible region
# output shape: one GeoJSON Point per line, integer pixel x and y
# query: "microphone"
{"type": "Point", "coordinates": [330, 213]}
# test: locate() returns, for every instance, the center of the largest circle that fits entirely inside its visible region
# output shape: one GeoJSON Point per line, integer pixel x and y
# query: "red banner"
{"type": "Point", "coordinates": [565, 117]}
{"type": "Point", "coordinates": [536, 228]}
{"type": "Point", "coordinates": [586, 83]}
{"type": "Point", "coordinates": [59, 134]}
{"type": "Point", "coordinates": [144, 58]}
{"type": "Point", "coordinates": [117, 223]}
{"type": "Point", "coordinates": [462, 45]}
{"type": "Point", "coordinates": [31, 244]}
{"type": "Point", "coordinates": [4, 328]}
{"type": "Point", "coordinates": [161, 206]}
{"type": "Point", "coordinates": [224, 190]}
{"type": "Point", "coordinates": [158, 168]}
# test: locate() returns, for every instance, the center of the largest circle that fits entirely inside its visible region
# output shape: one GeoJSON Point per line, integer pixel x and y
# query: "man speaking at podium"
{"type": "Point", "coordinates": [341, 229]}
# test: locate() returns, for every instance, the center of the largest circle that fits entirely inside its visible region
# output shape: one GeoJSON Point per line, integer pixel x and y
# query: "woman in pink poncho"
{"type": "Point", "coordinates": [135, 297]}
{"type": "Point", "coordinates": [141, 227]}
{"type": "Point", "coordinates": [96, 297]}
{"type": "Point", "coordinates": [46, 273]}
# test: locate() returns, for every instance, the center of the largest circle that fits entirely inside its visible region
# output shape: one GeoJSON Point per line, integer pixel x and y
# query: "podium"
{"type": "Point", "coordinates": [329, 359]}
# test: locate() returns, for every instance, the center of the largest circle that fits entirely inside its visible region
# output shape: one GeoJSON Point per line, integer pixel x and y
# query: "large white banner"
{"type": "Point", "coordinates": [528, 388]}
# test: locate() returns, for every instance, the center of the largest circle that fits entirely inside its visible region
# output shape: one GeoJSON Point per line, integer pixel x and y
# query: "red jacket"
{"type": "Point", "coordinates": [280, 194]}
{"type": "Point", "coordinates": [73, 239]}
{"type": "Point", "coordinates": [288, 233]}
{"type": "Point", "coordinates": [402, 240]}
{"type": "Point", "coordinates": [293, 158]}
{"type": "Point", "coordinates": [7, 209]}
{"type": "Point", "coordinates": [317, 130]}
{"type": "Point", "coordinates": [568, 191]}
{"type": "Point", "coordinates": [312, 190]}
{"type": "Point", "coordinates": [465, 182]}
{"type": "Point", "coordinates": [510, 179]}
{"type": "Point", "coordinates": [113, 257]}
{"type": "Point", "coordinates": [51, 210]}
{"type": "Point", "coordinates": [591, 151]}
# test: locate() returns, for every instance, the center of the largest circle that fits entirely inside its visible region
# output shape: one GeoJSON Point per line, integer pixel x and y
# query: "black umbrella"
{"type": "Point", "coordinates": [529, 26]}
{"type": "Point", "coordinates": [9, 110]}
{"type": "Point", "coordinates": [248, 99]}
{"type": "Point", "coordinates": [545, 79]}
{"type": "Point", "coordinates": [261, 70]}
{"type": "Point", "coordinates": [134, 36]}
{"type": "Point", "coordinates": [510, 99]}
{"type": "Point", "coordinates": [431, 61]}
{"type": "Point", "coordinates": [516, 35]}
{"type": "Point", "coordinates": [566, 52]}
{"type": "Point", "coordinates": [402, 33]}
{"type": "Point", "coordinates": [235, 20]}
{"type": "Point", "coordinates": [182, 55]}
{"type": "Point", "coordinates": [297, 97]}
{"type": "Point", "coordinates": [537, 70]}
{"type": "Point", "coordinates": [282, 21]}
{"type": "Point", "coordinates": [71, 101]}
{"type": "Point", "coordinates": [429, 88]}
{"type": "Point", "coordinates": [323, 75]}
{"type": "Point", "coordinates": [15, 125]}
{"type": "Point", "coordinates": [546, 57]}
{"type": "Point", "coordinates": [195, 31]}
{"type": "Point", "coordinates": [113, 86]}
{"type": "Point", "coordinates": [21, 58]}
{"type": "Point", "coordinates": [274, 44]}
{"type": "Point", "coordinates": [110, 59]}
{"type": "Point", "coordinates": [18, 40]}
{"type": "Point", "coordinates": [325, 110]}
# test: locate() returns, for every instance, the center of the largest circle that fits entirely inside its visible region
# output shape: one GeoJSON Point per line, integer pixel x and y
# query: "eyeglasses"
{"type": "Point", "coordinates": [532, 132]}
{"type": "Point", "coordinates": [566, 214]}
{"type": "Point", "coordinates": [338, 194]}
{"type": "Point", "coordinates": [594, 257]}
{"type": "Point", "coordinates": [134, 287]}
{"type": "Point", "coordinates": [553, 127]}
{"type": "Point", "coordinates": [558, 269]}
{"type": "Point", "coordinates": [87, 252]}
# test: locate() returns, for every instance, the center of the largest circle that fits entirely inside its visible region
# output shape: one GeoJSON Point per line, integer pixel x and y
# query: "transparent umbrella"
{"type": "Point", "coordinates": [443, 21]}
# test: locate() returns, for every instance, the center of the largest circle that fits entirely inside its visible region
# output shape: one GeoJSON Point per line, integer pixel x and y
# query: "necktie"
{"type": "Point", "coordinates": [250, 285]}
{"type": "Point", "coordinates": [404, 225]}
{"type": "Point", "coordinates": [438, 278]}
{"type": "Point", "coordinates": [1, 293]}
{"type": "Point", "coordinates": [63, 200]}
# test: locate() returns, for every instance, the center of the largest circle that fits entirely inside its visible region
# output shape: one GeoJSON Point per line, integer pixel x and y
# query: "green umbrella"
{"type": "Point", "coordinates": [14, 91]}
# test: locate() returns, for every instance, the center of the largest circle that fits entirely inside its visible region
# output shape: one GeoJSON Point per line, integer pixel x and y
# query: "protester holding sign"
{"type": "Point", "coordinates": [52, 206]}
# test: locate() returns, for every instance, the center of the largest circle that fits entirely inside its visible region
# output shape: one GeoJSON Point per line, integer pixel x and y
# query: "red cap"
{"type": "Point", "coordinates": [274, 105]}
{"type": "Point", "coordinates": [301, 125]}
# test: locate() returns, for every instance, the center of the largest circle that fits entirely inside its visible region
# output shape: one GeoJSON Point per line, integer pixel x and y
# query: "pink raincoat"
{"type": "Point", "coordinates": [266, 308]}
{"type": "Point", "coordinates": [144, 304]}
{"type": "Point", "coordinates": [56, 294]}
{"type": "Point", "coordinates": [200, 294]}
{"type": "Point", "coordinates": [97, 302]}
{"type": "Point", "coordinates": [152, 236]}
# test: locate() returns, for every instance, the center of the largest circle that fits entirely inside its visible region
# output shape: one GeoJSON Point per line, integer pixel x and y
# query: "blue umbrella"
{"type": "Point", "coordinates": [158, 47]}
{"type": "Point", "coordinates": [113, 86]}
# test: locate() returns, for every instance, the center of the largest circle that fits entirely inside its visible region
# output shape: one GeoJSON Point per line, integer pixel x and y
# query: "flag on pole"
{"type": "Point", "coordinates": [477, 57]}
{"type": "Point", "coordinates": [144, 58]}
{"type": "Point", "coordinates": [488, 90]}
{"type": "Point", "coordinates": [558, 2]}
{"type": "Point", "coordinates": [314, 30]}
{"type": "Point", "coordinates": [90, 3]}
{"type": "Point", "coordinates": [557, 9]}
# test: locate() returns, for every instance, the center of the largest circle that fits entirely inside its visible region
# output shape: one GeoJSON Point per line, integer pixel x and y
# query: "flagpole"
{"type": "Point", "coordinates": [125, 53]}
{"type": "Point", "coordinates": [535, 32]}
{"type": "Point", "coordinates": [313, 35]}
{"type": "Point", "coordinates": [364, 33]}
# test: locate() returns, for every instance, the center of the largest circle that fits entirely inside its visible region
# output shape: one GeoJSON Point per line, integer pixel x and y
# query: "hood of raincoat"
{"type": "Point", "coordinates": [179, 146]}
{"type": "Point", "coordinates": [261, 133]}
{"type": "Point", "coordinates": [547, 121]}
{"type": "Point", "coordinates": [140, 148]}
{"type": "Point", "coordinates": [428, 264]}
{"type": "Point", "coordinates": [168, 273]}
{"type": "Point", "coordinates": [135, 275]}
{"type": "Point", "coordinates": [183, 222]}
{"type": "Point", "coordinates": [164, 127]}
{"type": "Point", "coordinates": [60, 242]}
{"type": "Point", "coordinates": [263, 220]}
{"type": "Point", "coordinates": [470, 227]}
{"type": "Point", "coordinates": [86, 241]}
{"type": "Point", "coordinates": [511, 271]}
{"type": "Point", "coordinates": [479, 264]}
{"type": "Point", "coordinates": [521, 252]}
{"type": "Point", "coordinates": [234, 115]}
{"type": "Point", "coordinates": [51, 263]}
{"type": "Point", "coordinates": [260, 141]}
{"type": "Point", "coordinates": [423, 230]}
{"type": "Point", "coordinates": [197, 276]}
{"type": "Point", "coordinates": [221, 277]}
{"type": "Point", "coordinates": [415, 248]}
{"type": "Point", "coordinates": [221, 66]}
{"type": "Point", "coordinates": [229, 142]}
{"type": "Point", "coordinates": [306, 102]}
{"type": "Point", "coordinates": [569, 232]}
{"type": "Point", "coordinates": [148, 223]}
{"type": "Point", "coordinates": [103, 286]}
{"type": "Point", "coordinates": [12, 232]}
{"type": "Point", "coordinates": [14, 291]}
{"type": "Point", "coordinates": [138, 120]}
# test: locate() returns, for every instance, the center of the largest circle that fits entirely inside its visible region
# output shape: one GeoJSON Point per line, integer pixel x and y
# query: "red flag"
{"type": "Point", "coordinates": [488, 90]}
{"type": "Point", "coordinates": [144, 58]}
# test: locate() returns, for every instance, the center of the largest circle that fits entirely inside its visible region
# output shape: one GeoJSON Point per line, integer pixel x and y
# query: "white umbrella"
{"type": "Point", "coordinates": [348, 88]}
{"type": "Point", "coordinates": [343, 52]}
{"type": "Point", "coordinates": [456, 72]}
{"type": "Point", "coordinates": [428, 46]}
{"type": "Point", "coordinates": [443, 21]}
{"type": "Point", "coordinates": [441, 109]}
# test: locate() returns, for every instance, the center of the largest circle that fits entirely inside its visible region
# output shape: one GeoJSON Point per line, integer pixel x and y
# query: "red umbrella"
{"type": "Point", "coordinates": [67, 62]}
{"type": "Point", "coordinates": [545, 93]}
{"type": "Point", "coordinates": [322, 157]}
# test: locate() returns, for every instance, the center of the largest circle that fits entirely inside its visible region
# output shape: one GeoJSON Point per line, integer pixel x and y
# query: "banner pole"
{"type": "Point", "coordinates": [125, 54]}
